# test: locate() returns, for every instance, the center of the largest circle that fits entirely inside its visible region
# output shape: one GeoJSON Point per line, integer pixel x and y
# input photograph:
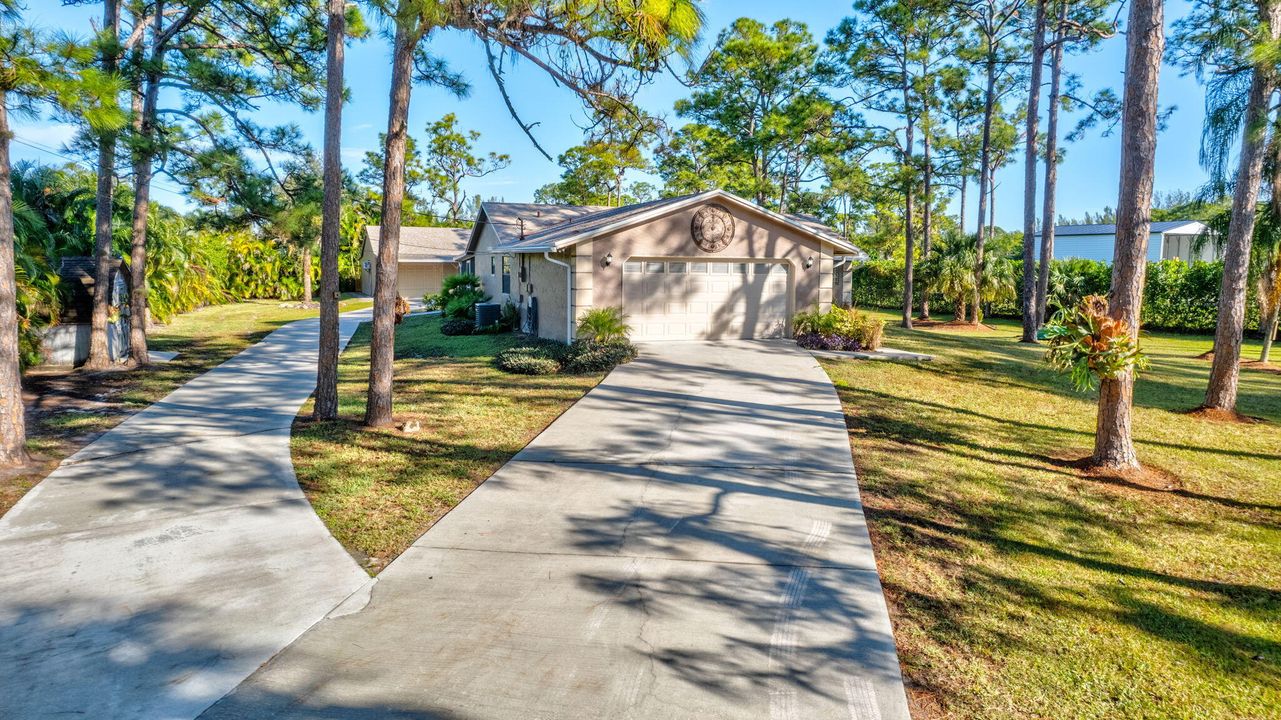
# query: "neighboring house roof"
{"type": "Point", "coordinates": [1165, 226]}
{"type": "Point", "coordinates": [426, 244]}
{"type": "Point", "coordinates": [580, 224]}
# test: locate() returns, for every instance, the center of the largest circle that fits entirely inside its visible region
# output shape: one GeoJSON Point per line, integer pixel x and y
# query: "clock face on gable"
{"type": "Point", "coordinates": [712, 228]}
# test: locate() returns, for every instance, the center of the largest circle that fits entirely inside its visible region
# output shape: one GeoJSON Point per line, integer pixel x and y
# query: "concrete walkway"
{"type": "Point", "coordinates": [162, 564]}
{"type": "Point", "coordinates": [685, 542]}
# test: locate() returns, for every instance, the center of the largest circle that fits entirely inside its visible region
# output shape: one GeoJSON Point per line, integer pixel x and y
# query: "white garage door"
{"type": "Point", "coordinates": [684, 300]}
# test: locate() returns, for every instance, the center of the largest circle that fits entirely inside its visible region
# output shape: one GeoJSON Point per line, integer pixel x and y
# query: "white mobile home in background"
{"type": "Point", "coordinates": [1169, 240]}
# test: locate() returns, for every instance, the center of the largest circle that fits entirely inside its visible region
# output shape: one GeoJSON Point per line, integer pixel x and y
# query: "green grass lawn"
{"type": "Point", "coordinates": [378, 490]}
{"type": "Point", "coordinates": [1021, 588]}
{"type": "Point", "coordinates": [69, 408]}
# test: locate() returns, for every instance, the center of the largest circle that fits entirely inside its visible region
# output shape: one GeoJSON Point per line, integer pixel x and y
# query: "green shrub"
{"type": "Point", "coordinates": [509, 318]}
{"type": "Point", "coordinates": [603, 325]}
{"type": "Point", "coordinates": [457, 326]}
{"type": "Point", "coordinates": [587, 356]}
{"type": "Point", "coordinates": [459, 293]}
{"type": "Point", "coordinates": [837, 329]}
{"type": "Point", "coordinates": [1177, 296]}
{"type": "Point", "coordinates": [542, 358]}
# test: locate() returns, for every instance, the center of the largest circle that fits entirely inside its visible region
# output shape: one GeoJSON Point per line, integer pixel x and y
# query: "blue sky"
{"type": "Point", "coordinates": [1087, 179]}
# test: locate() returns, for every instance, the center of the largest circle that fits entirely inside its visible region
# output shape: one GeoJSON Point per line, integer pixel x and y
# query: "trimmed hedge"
{"type": "Point", "coordinates": [585, 356]}
{"type": "Point", "coordinates": [545, 357]}
{"type": "Point", "coordinates": [527, 360]}
{"type": "Point", "coordinates": [1177, 296]}
{"type": "Point", "coordinates": [457, 326]}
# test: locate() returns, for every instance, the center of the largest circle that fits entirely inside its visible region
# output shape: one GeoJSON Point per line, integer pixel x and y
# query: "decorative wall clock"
{"type": "Point", "coordinates": [712, 228]}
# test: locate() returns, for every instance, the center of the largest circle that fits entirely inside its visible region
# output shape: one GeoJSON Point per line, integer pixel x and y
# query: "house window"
{"type": "Point", "coordinates": [492, 271]}
{"type": "Point", "coordinates": [507, 273]}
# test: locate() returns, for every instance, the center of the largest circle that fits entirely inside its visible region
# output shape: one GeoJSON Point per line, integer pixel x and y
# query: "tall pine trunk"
{"type": "Point", "coordinates": [306, 274]}
{"type": "Point", "coordinates": [1145, 41]}
{"type": "Point", "coordinates": [1030, 325]}
{"type": "Point", "coordinates": [985, 160]}
{"type": "Point", "coordinates": [142, 171]}
{"type": "Point", "coordinates": [99, 352]}
{"type": "Point", "coordinates": [960, 218]}
{"type": "Point", "coordinates": [909, 231]}
{"type": "Point", "coordinates": [927, 206]}
{"type": "Point", "coordinates": [1048, 212]}
{"type": "Point", "coordinates": [13, 426]}
{"type": "Point", "coordinates": [326, 407]}
{"type": "Point", "coordinates": [145, 99]}
{"type": "Point", "coordinates": [1225, 371]}
{"type": "Point", "coordinates": [382, 344]}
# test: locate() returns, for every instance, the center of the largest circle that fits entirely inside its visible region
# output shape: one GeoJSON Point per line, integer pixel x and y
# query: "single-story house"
{"type": "Point", "coordinates": [67, 343]}
{"type": "Point", "coordinates": [427, 256]}
{"type": "Point", "coordinates": [708, 265]}
{"type": "Point", "coordinates": [1169, 240]}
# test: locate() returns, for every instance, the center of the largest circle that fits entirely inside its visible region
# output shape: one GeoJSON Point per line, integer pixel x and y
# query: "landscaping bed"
{"type": "Point", "coordinates": [1023, 587]}
{"type": "Point", "coordinates": [379, 489]}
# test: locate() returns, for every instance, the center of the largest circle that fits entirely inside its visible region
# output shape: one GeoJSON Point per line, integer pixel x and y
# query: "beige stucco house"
{"type": "Point", "coordinates": [710, 265]}
{"type": "Point", "coordinates": [427, 256]}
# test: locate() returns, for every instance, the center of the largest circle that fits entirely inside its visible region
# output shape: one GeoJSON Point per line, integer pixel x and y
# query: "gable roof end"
{"type": "Point", "coordinates": [610, 220]}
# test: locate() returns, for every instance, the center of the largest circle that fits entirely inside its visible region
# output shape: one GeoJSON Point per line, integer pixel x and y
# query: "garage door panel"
{"type": "Point", "coordinates": [675, 299]}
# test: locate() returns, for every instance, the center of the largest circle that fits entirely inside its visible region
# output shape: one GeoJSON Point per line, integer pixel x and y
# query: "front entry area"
{"type": "Point", "coordinates": [669, 299]}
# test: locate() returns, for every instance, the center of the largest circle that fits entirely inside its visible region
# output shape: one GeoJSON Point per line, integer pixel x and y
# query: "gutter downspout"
{"type": "Point", "coordinates": [569, 294]}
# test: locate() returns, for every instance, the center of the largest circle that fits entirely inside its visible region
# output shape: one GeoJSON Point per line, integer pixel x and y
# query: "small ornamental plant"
{"type": "Point", "coordinates": [1089, 345]}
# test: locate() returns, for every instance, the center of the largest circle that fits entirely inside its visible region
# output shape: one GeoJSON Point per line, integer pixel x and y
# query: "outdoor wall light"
{"type": "Point", "coordinates": [609, 259]}
{"type": "Point", "coordinates": [809, 262]}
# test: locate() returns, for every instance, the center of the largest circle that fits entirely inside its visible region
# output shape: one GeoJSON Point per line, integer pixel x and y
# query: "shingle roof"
{"type": "Point", "coordinates": [1098, 229]}
{"type": "Point", "coordinates": [510, 219]}
{"type": "Point", "coordinates": [586, 222]}
{"type": "Point", "coordinates": [576, 223]}
{"type": "Point", "coordinates": [426, 244]}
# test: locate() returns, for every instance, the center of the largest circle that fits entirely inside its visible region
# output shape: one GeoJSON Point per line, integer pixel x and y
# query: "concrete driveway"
{"type": "Point", "coordinates": [685, 542]}
{"type": "Point", "coordinates": [162, 564]}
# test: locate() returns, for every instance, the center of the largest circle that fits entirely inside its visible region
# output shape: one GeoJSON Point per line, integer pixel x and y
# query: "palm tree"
{"type": "Point", "coordinates": [1145, 42]}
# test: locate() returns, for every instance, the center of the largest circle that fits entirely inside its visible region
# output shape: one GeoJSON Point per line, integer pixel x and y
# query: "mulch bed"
{"type": "Point", "coordinates": [1148, 478]}
{"type": "Point", "coordinates": [1255, 365]}
{"type": "Point", "coordinates": [1218, 415]}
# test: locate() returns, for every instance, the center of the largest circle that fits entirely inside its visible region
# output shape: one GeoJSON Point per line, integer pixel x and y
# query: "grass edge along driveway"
{"type": "Point", "coordinates": [1020, 588]}
{"type": "Point", "coordinates": [379, 489]}
{"type": "Point", "coordinates": [67, 409]}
